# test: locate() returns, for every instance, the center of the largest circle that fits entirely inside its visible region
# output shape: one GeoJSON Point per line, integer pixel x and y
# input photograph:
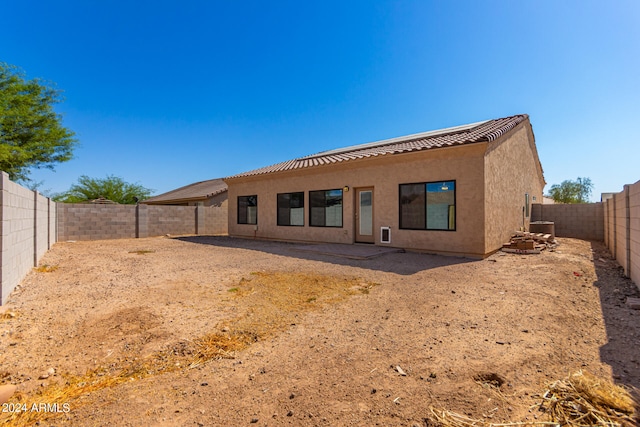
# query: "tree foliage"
{"type": "Point", "coordinates": [31, 132]}
{"type": "Point", "coordinates": [569, 191]}
{"type": "Point", "coordinates": [112, 188]}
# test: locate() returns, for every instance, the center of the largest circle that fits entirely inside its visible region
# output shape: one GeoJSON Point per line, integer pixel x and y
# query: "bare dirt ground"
{"type": "Point", "coordinates": [482, 338]}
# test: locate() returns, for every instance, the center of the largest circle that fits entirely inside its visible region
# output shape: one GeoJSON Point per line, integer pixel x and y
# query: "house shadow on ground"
{"type": "Point", "coordinates": [622, 323]}
{"type": "Point", "coordinates": [398, 262]}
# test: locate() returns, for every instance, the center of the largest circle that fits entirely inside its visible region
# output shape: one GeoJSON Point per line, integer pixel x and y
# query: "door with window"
{"type": "Point", "coordinates": [364, 215]}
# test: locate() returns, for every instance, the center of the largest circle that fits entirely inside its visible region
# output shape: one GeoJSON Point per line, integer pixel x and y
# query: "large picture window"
{"type": "Point", "coordinates": [291, 209]}
{"type": "Point", "coordinates": [247, 209]}
{"type": "Point", "coordinates": [428, 206]}
{"type": "Point", "coordinates": [325, 208]}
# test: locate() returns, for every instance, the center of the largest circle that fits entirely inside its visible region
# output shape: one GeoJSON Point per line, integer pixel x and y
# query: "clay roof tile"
{"type": "Point", "coordinates": [486, 131]}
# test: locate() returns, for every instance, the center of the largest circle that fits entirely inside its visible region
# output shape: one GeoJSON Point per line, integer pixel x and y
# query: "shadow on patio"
{"type": "Point", "coordinates": [369, 257]}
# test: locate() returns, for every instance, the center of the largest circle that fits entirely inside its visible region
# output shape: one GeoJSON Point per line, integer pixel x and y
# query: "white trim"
{"type": "Point", "coordinates": [382, 230]}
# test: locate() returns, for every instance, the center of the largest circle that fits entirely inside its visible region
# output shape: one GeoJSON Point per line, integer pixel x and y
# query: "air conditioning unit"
{"type": "Point", "coordinates": [385, 234]}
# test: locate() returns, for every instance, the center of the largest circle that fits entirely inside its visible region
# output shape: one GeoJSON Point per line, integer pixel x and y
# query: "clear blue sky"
{"type": "Point", "coordinates": [166, 93]}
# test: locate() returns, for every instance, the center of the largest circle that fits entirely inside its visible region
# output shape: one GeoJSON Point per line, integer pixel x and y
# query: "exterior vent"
{"type": "Point", "coordinates": [385, 234]}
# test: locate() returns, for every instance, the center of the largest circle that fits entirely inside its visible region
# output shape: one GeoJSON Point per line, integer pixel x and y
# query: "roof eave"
{"type": "Point", "coordinates": [185, 199]}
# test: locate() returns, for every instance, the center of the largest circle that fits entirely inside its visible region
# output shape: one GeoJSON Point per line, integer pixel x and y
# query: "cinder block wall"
{"type": "Point", "coordinates": [634, 232]}
{"type": "Point", "coordinates": [581, 221]}
{"type": "Point", "coordinates": [608, 224]}
{"type": "Point", "coordinates": [25, 232]}
{"type": "Point", "coordinates": [621, 241]}
{"type": "Point", "coordinates": [82, 221]}
{"type": "Point", "coordinates": [43, 223]}
{"type": "Point", "coordinates": [623, 222]}
{"type": "Point", "coordinates": [163, 220]}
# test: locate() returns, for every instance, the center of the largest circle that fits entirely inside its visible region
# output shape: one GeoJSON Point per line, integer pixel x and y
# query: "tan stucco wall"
{"type": "Point", "coordinates": [219, 200]}
{"type": "Point", "coordinates": [384, 173]}
{"type": "Point", "coordinates": [511, 170]}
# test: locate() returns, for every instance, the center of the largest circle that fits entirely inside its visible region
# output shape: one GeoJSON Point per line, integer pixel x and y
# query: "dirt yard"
{"type": "Point", "coordinates": [217, 331]}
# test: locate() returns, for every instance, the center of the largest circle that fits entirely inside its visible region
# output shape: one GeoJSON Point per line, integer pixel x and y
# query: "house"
{"type": "Point", "coordinates": [459, 191]}
{"type": "Point", "coordinates": [212, 192]}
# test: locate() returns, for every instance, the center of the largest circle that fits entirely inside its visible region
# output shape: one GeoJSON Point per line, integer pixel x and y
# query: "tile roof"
{"type": "Point", "coordinates": [199, 190]}
{"type": "Point", "coordinates": [486, 131]}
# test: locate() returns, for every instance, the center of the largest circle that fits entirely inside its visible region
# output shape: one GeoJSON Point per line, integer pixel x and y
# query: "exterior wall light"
{"type": "Point", "coordinates": [345, 188]}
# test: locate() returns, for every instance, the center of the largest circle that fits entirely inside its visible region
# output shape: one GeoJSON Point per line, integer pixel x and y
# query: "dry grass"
{"type": "Point", "coordinates": [142, 252]}
{"type": "Point", "coordinates": [8, 315]}
{"type": "Point", "coordinates": [46, 268]}
{"type": "Point", "coordinates": [583, 399]}
{"type": "Point", "coordinates": [445, 418]}
{"type": "Point", "coordinates": [579, 400]}
{"type": "Point", "coordinates": [76, 387]}
{"type": "Point", "coordinates": [270, 303]}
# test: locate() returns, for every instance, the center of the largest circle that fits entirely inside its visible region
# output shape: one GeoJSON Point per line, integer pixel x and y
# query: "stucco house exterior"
{"type": "Point", "coordinates": [212, 192]}
{"type": "Point", "coordinates": [459, 191]}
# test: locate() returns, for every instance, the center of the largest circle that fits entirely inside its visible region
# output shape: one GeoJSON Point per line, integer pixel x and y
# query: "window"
{"type": "Point", "coordinates": [247, 209]}
{"type": "Point", "coordinates": [428, 206]}
{"type": "Point", "coordinates": [325, 208]}
{"type": "Point", "coordinates": [291, 209]}
{"type": "Point", "coordinates": [527, 205]}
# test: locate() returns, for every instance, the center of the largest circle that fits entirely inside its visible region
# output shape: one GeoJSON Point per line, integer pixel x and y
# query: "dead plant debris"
{"type": "Point", "coordinates": [581, 399]}
{"type": "Point", "coordinates": [444, 418]}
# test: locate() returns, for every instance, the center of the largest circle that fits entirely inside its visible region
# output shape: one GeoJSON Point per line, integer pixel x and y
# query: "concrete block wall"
{"type": "Point", "coordinates": [581, 221]}
{"type": "Point", "coordinates": [620, 226]}
{"type": "Point", "coordinates": [79, 221]}
{"type": "Point", "coordinates": [163, 220]}
{"type": "Point", "coordinates": [634, 232]}
{"type": "Point", "coordinates": [623, 222]}
{"type": "Point", "coordinates": [609, 224]}
{"type": "Point", "coordinates": [25, 232]}
{"type": "Point", "coordinates": [84, 221]}
{"type": "Point", "coordinates": [42, 224]}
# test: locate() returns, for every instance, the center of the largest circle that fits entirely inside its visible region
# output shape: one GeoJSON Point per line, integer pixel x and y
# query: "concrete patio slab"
{"type": "Point", "coordinates": [347, 251]}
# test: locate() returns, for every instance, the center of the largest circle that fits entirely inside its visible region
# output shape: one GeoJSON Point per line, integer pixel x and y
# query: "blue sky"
{"type": "Point", "coordinates": [166, 93]}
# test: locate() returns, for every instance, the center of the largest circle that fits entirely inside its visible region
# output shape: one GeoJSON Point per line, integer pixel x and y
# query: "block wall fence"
{"type": "Point", "coordinates": [27, 231]}
{"type": "Point", "coordinates": [622, 229]}
{"type": "Point", "coordinates": [31, 224]}
{"type": "Point", "coordinates": [581, 221]}
{"type": "Point", "coordinates": [616, 221]}
{"type": "Point", "coordinates": [82, 221]}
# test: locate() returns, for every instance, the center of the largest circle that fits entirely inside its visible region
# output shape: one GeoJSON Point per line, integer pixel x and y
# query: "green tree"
{"type": "Point", "coordinates": [112, 188]}
{"type": "Point", "coordinates": [31, 132]}
{"type": "Point", "coordinates": [569, 191]}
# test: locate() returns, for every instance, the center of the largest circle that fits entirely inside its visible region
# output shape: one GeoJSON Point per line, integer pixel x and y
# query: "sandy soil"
{"type": "Point", "coordinates": [450, 324]}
